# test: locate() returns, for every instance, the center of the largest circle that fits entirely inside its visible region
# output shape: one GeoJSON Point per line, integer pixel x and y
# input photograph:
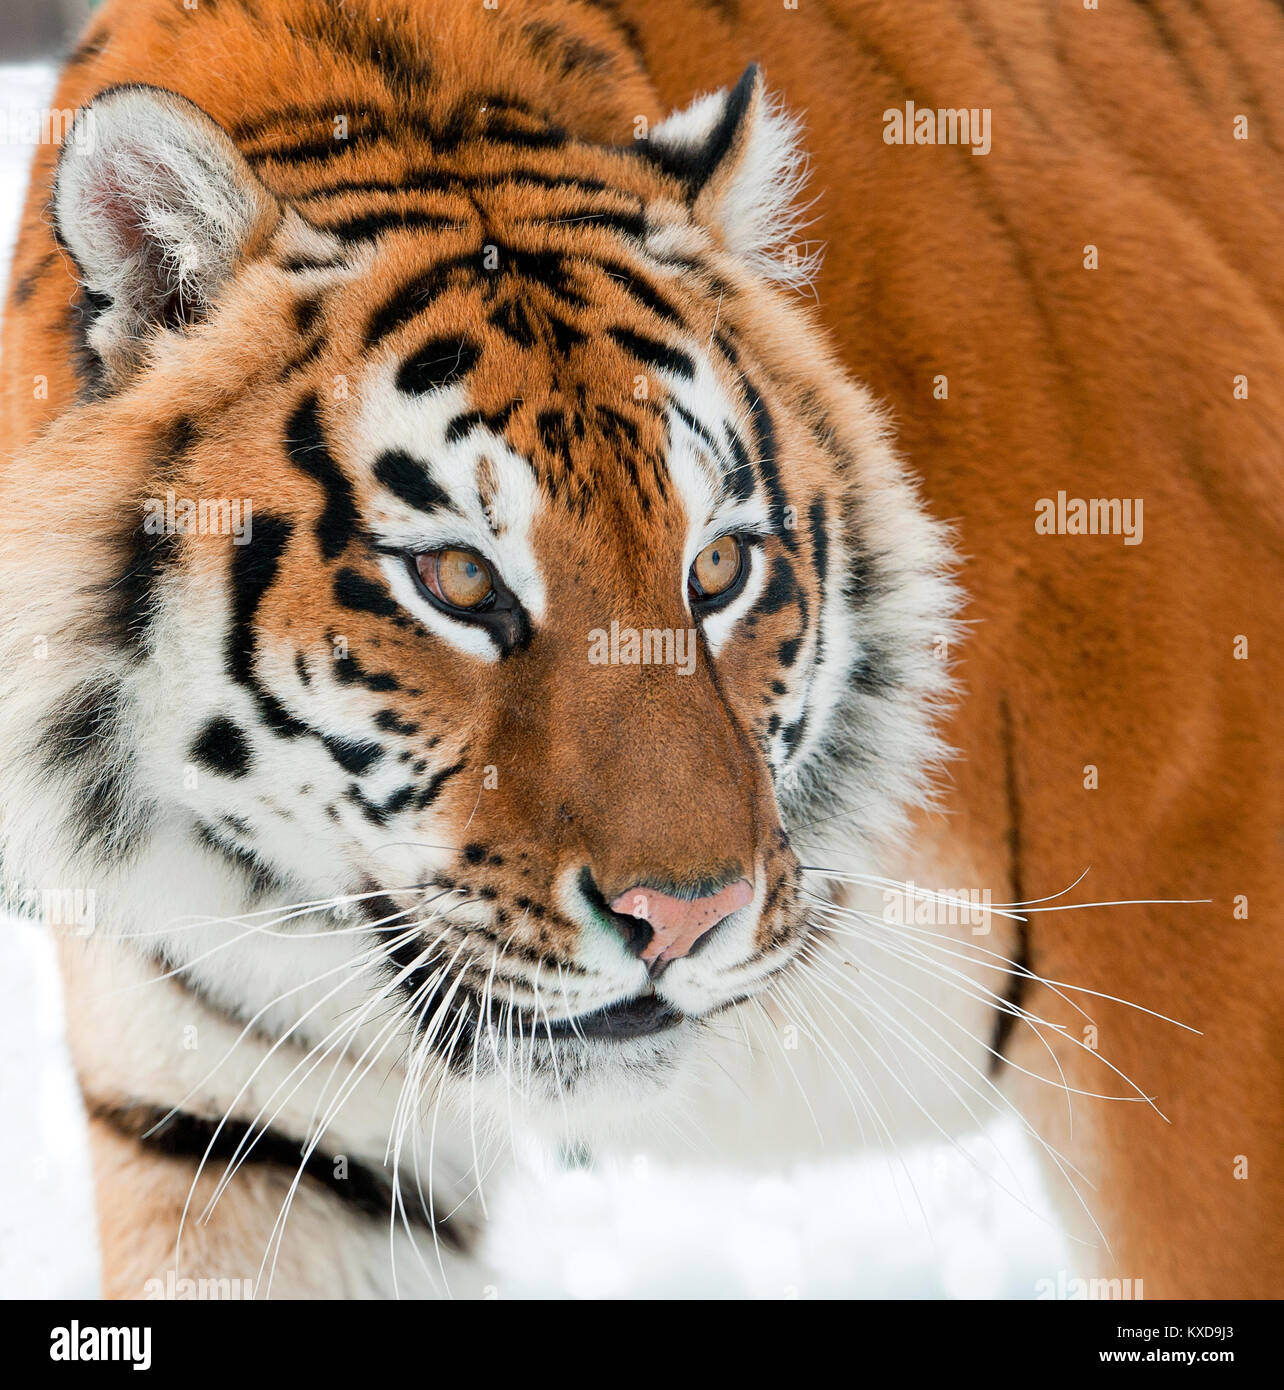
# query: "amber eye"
{"type": "Point", "coordinates": [459, 578]}
{"type": "Point", "coordinates": [716, 569]}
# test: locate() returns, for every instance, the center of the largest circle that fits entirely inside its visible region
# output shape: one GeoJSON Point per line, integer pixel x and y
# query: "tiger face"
{"type": "Point", "coordinates": [569, 581]}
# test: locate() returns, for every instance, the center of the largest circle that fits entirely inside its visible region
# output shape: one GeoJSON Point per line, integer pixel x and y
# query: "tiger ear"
{"type": "Point", "coordinates": [739, 154]}
{"type": "Point", "coordinates": [155, 205]}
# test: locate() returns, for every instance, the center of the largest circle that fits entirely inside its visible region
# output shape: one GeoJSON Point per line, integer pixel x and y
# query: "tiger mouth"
{"type": "Point", "coordinates": [628, 1018]}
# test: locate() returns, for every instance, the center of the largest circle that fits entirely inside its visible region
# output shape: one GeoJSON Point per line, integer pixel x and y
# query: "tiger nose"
{"type": "Point", "coordinates": [676, 922]}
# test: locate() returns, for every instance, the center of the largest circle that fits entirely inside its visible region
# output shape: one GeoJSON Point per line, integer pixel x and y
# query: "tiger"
{"type": "Point", "coordinates": [540, 551]}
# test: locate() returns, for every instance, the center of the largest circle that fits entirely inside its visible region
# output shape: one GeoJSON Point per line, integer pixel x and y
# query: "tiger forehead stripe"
{"type": "Point", "coordinates": [552, 271]}
{"type": "Point", "coordinates": [494, 265]}
{"type": "Point", "coordinates": [437, 364]}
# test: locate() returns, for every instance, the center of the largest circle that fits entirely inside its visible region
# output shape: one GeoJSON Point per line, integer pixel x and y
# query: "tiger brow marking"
{"type": "Point", "coordinates": [309, 451]}
{"type": "Point", "coordinates": [554, 270]}
{"type": "Point", "coordinates": [407, 478]}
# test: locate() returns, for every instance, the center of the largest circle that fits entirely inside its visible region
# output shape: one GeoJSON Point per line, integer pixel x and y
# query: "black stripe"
{"type": "Point", "coordinates": [512, 320]}
{"type": "Point", "coordinates": [820, 543]}
{"type": "Point", "coordinates": [369, 225]}
{"type": "Point", "coordinates": [741, 477]}
{"type": "Point", "coordinates": [377, 813]}
{"type": "Point", "coordinates": [438, 363]}
{"type": "Point", "coordinates": [180, 1134]}
{"type": "Point", "coordinates": [414, 297]}
{"type": "Point", "coordinates": [353, 755]}
{"type": "Point", "coordinates": [221, 747]}
{"type": "Point", "coordinates": [253, 572]}
{"type": "Point", "coordinates": [422, 179]}
{"type": "Point", "coordinates": [633, 284]}
{"type": "Point", "coordinates": [407, 477]}
{"type": "Point", "coordinates": [495, 421]}
{"type": "Point", "coordinates": [362, 595]}
{"type": "Point", "coordinates": [432, 788]}
{"type": "Point", "coordinates": [25, 285]}
{"type": "Point", "coordinates": [296, 144]}
{"type": "Point", "coordinates": [298, 265]}
{"type": "Point", "coordinates": [306, 445]}
{"type": "Point", "coordinates": [551, 270]}
{"type": "Point", "coordinates": [90, 49]}
{"type": "Point", "coordinates": [149, 553]}
{"type": "Point", "coordinates": [780, 589]}
{"type": "Point", "coordinates": [305, 151]}
{"type": "Point", "coordinates": [348, 670]}
{"type": "Point", "coordinates": [260, 876]}
{"type": "Point", "coordinates": [628, 222]}
{"type": "Point", "coordinates": [1169, 42]}
{"type": "Point", "coordinates": [1006, 1020]}
{"type": "Point", "coordinates": [769, 467]}
{"type": "Point", "coordinates": [569, 52]}
{"type": "Point", "coordinates": [655, 354]}
{"type": "Point", "coordinates": [83, 739]}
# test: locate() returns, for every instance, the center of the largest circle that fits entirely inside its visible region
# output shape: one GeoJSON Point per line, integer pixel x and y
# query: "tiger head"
{"type": "Point", "coordinates": [462, 597]}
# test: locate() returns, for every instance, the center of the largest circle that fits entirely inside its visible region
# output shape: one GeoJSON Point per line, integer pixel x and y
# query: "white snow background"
{"type": "Point", "coordinates": [842, 1228]}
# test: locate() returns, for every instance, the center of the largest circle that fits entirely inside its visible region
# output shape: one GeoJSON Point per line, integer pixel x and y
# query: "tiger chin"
{"type": "Point", "coordinates": [473, 595]}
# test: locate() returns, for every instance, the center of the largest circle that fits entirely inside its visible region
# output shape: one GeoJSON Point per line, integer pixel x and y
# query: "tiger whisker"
{"type": "Point", "coordinates": [916, 1045]}
{"type": "Point", "coordinates": [911, 954]}
{"type": "Point", "coordinates": [317, 905]}
{"type": "Point", "coordinates": [1055, 985]}
{"type": "Point", "coordinates": [834, 1060]}
{"type": "Point", "coordinates": [331, 1042]}
{"type": "Point", "coordinates": [256, 931]}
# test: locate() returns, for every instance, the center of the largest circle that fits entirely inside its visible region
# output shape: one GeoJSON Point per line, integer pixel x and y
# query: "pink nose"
{"type": "Point", "coordinates": [678, 923]}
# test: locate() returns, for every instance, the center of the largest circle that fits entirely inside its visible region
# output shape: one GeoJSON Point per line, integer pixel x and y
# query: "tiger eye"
{"type": "Point", "coordinates": [460, 577]}
{"type": "Point", "coordinates": [717, 567]}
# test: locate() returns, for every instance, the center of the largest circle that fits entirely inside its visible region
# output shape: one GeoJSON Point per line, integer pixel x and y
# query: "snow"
{"type": "Point", "coordinates": [935, 1224]}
